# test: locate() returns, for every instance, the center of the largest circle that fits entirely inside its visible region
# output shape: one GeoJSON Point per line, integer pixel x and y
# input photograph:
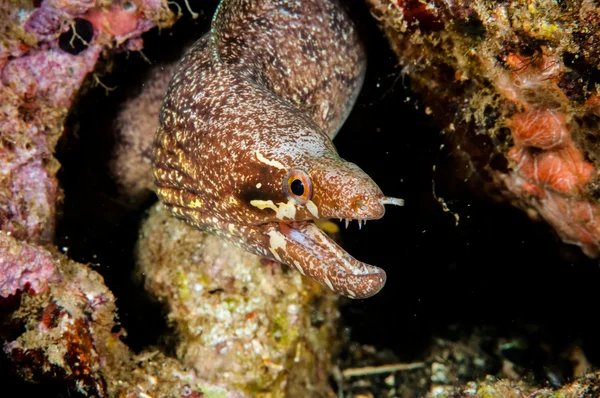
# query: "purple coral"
{"type": "Point", "coordinates": [38, 83]}
{"type": "Point", "coordinates": [24, 266]}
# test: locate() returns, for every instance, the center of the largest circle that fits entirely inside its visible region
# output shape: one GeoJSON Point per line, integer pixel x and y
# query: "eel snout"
{"type": "Point", "coordinates": [304, 246]}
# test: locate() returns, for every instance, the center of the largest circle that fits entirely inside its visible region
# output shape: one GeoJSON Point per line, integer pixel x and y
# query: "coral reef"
{"type": "Point", "coordinates": [515, 84]}
{"type": "Point", "coordinates": [269, 333]}
{"type": "Point", "coordinates": [512, 82]}
{"type": "Point", "coordinates": [47, 51]}
{"type": "Point", "coordinates": [58, 317]}
{"type": "Point", "coordinates": [66, 332]}
{"type": "Point", "coordinates": [240, 321]}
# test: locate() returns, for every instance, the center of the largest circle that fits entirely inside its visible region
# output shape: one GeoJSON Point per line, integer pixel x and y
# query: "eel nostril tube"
{"type": "Point", "coordinates": [392, 201]}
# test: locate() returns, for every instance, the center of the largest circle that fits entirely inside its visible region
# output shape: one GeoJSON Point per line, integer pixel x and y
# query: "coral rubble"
{"type": "Point", "coordinates": [480, 364]}
{"type": "Point", "coordinates": [516, 86]}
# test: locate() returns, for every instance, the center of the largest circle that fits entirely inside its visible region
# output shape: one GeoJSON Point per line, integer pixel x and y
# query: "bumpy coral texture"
{"type": "Point", "coordinates": [40, 73]}
{"type": "Point", "coordinates": [516, 85]}
{"type": "Point", "coordinates": [23, 266]}
{"type": "Point", "coordinates": [68, 332]}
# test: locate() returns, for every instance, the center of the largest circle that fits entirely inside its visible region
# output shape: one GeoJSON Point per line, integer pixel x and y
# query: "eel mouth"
{"type": "Point", "coordinates": [304, 246]}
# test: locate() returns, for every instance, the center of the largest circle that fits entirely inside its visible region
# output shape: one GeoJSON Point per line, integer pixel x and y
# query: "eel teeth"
{"type": "Point", "coordinates": [361, 222]}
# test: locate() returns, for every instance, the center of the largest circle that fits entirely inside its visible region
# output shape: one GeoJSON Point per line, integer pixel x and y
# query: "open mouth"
{"type": "Point", "coordinates": [304, 246]}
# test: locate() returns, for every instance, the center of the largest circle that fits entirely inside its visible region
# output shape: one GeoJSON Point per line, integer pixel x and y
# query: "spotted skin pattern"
{"type": "Point", "coordinates": [260, 95]}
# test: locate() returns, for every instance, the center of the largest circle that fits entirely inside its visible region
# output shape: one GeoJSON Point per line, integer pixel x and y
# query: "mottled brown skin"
{"type": "Point", "coordinates": [260, 95]}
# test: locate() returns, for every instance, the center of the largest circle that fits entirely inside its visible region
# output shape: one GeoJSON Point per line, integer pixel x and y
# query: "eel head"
{"type": "Point", "coordinates": [326, 187]}
{"type": "Point", "coordinates": [267, 197]}
{"type": "Point", "coordinates": [254, 170]}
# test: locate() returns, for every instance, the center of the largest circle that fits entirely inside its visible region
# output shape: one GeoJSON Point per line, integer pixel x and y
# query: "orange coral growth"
{"type": "Point", "coordinates": [562, 170]}
{"type": "Point", "coordinates": [575, 220]}
{"type": "Point", "coordinates": [115, 20]}
{"type": "Point", "coordinates": [531, 82]}
{"type": "Point", "coordinates": [542, 129]}
{"type": "Point", "coordinates": [548, 170]}
{"type": "Point", "coordinates": [532, 71]}
{"type": "Point", "coordinates": [542, 64]}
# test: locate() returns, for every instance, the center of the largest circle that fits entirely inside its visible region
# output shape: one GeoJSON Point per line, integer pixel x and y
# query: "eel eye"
{"type": "Point", "coordinates": [298, 186]}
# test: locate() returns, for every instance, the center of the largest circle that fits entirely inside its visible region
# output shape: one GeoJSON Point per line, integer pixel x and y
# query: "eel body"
{"type": "Point", "coordinates": [244, 150]}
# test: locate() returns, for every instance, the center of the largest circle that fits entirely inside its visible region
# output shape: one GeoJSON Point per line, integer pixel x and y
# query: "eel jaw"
{"type": "Point", "coordinates": [304, 246]}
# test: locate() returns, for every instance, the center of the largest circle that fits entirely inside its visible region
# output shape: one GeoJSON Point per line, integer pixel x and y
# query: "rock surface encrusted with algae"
{"type": "Point", "coordinates": [240, 321]}
{"type": "Point", "coordinates": [516, 85]}
{"type": "Point", "coordinates": [67, 332]}
{"type": "Point", "coordinates": [47, 50]}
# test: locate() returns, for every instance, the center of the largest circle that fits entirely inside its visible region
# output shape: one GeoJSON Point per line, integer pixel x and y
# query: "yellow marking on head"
{"type": "Point", "coordinates": [196, 204]}
{"type": "Point", "coordinates": [282, 210]}
{"type": "Point", "coordinates": [276, 241]}
{"type": "Point", "coordinates": [264, 160]}
{"type": "Point", "coordinates": [233, 201]}
{"type": "Point", "coordinates": [286, 210]}
{"type": "Point", "coordinates": [258, 185]}
{"type": "Point", "coordinates": [263, 204]}
{"type": "Point", "coordinates": [312, 207]}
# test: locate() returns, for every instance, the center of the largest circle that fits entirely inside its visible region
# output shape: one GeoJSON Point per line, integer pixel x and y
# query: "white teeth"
{"type": "Point", "coordinates": [360, 222]}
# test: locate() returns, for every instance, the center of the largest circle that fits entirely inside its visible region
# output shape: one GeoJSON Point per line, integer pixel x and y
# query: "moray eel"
{"type": "Point", "coordinates": [243, 148]}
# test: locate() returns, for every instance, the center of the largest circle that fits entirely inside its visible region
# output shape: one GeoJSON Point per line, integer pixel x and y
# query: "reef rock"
{"type": "Point", "coordinates": [240, 321]}
{"type": "Point", "coordinates": [516, 86]}
{"type": "Point", "coordinates": [47, 50]}
{"type": "Point", "coordinates": [66, 332]}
